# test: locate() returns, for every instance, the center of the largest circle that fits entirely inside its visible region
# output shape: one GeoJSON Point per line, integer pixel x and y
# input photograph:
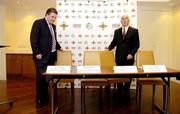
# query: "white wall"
{"type": "Point", "coordinates": [177, 37]}
{"type": "Point", "coordinates": [155, 23]}
{"type": "Point", "coordinates": [19, 25]}
{"type": "Point", "coordinates": [1, 24]}
{"type": "Point", "coordinates": [2, 41]}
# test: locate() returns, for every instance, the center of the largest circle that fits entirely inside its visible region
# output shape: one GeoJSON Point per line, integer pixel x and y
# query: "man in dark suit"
{"type": "Point", "coordinates": [44, 46]}
{"type": "Point", "coordinates": [126, 41]}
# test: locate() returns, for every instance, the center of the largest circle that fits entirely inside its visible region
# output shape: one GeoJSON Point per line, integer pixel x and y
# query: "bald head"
{"type": "Point", "coordinates": [125, 20]}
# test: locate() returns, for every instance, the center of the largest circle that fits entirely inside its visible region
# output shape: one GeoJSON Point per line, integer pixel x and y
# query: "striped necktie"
{"type": "Point", "coordinates": [53, 38]}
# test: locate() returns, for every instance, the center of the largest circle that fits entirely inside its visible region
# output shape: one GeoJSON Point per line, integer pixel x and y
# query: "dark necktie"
{"type": "Point", "coordinates": [123, 32]}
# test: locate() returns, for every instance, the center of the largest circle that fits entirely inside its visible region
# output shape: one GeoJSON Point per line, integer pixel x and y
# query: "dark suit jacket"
{"type": "Point", "coordinates": [128, 45]}
{"type": "Point", "coordinates": [41, 39]}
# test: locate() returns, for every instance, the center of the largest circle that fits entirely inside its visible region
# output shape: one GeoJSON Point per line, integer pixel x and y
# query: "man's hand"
{"type": "Point", "coordinates": [60, 49]}
{"type": "Point", "coordinates": [39, 56]}
{"type": "Point", "coordinates": [106, 49]}
{"type": "Point", "coordinates": [129, 57]}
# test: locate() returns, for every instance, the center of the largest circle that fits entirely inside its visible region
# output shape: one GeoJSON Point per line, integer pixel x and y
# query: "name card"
{"type": "Point", "coordinates": [125, 69]}
{"type": "Point", "coordinates": [58, 69]}
{"type": "Point", "coordinates": [154, 68]}
{"type": "Point", "coordinates": [88, 69]}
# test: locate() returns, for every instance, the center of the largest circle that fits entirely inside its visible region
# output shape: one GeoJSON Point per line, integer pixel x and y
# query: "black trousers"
{"type": "Point", "coordinates": [177, 78]}
{"type": "Point", "coordinates": [126, 85]}
{"type": "Point", "coordinates": [41, 81]}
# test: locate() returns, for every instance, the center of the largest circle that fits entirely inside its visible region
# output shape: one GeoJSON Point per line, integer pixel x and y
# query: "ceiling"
{"type": "Point", "coordinates": [34, 4]}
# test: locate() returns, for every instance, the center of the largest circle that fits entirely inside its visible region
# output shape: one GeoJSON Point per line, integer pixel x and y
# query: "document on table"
{"type": "Point", "coordinates": [125, 69]}
{"type": "Point", "coordinates": [88, 69]}
{"type": "Point", "coordinates": [154, 68]}
{"type": "Point", "coordinates": [58, 69]}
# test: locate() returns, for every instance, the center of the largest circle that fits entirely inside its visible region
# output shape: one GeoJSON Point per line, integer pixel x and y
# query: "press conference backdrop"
{"type": "Point", "coordinates": [89, 25]}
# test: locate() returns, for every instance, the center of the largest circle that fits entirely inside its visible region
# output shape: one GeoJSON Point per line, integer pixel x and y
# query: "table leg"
{"type": "Point", "coordinates": [166, 108]}
{"type": "Point", "coordinates": [168, 96]}
{"type": "Point", "coordinates": [52, 96]}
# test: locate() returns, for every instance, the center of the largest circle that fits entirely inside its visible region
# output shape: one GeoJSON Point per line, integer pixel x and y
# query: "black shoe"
{"type": "Point", "coordinates": [127, 93]}
{"type": "Point", "coordinates": [127, 96]}
{"type": "Point", "coordinates": [40, 104]}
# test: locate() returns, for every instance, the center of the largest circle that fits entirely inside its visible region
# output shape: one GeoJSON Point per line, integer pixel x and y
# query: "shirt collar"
{"type": "Point", "coordinates": [126, 28]}
{"type": "Point", "coordinates": [47, 21]}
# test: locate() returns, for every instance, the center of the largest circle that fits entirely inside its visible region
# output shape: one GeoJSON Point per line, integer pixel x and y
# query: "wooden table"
{"type": "Point", "coordinates": [107, 72]}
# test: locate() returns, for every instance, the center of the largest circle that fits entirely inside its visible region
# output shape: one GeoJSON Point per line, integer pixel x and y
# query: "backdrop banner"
{"type": "Point", "coordinates": [89, 25]}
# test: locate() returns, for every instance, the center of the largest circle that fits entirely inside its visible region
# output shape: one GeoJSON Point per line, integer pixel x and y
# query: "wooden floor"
{"type": "Point", "coordinates": [22, 92]}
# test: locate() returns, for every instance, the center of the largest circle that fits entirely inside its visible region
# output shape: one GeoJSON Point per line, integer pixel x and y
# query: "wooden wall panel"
{"type": "Point", "coordinates": [20, 65]}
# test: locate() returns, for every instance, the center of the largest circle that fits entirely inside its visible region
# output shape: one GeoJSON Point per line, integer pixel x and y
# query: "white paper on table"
{"type": "Point", "coordinates": [154, 68]}
{"type": "Point", "coordinates": [88, 69]}
{"type": "Point", "coordinates": [58, 69]}
{"type": "Point", "coordinates": [125, 69]}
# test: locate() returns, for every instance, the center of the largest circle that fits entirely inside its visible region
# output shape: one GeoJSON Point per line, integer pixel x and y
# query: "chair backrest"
{"type": "Point", "coordinates": [107, 58]}
{"type": "Point", "coordinates": [64, 58]}
{"type": "Point", "coordinates": [145, 58]}
{"type": "Point", "coordinates": [91, 58]}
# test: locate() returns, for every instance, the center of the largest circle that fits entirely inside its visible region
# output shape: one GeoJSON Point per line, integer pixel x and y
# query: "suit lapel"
{"type": "Point", "coordinates": [47, 27]}
{"type": "Point", "coordinates": [128, 30]}
{"type": "Point", "coordinates": [120, 33]}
